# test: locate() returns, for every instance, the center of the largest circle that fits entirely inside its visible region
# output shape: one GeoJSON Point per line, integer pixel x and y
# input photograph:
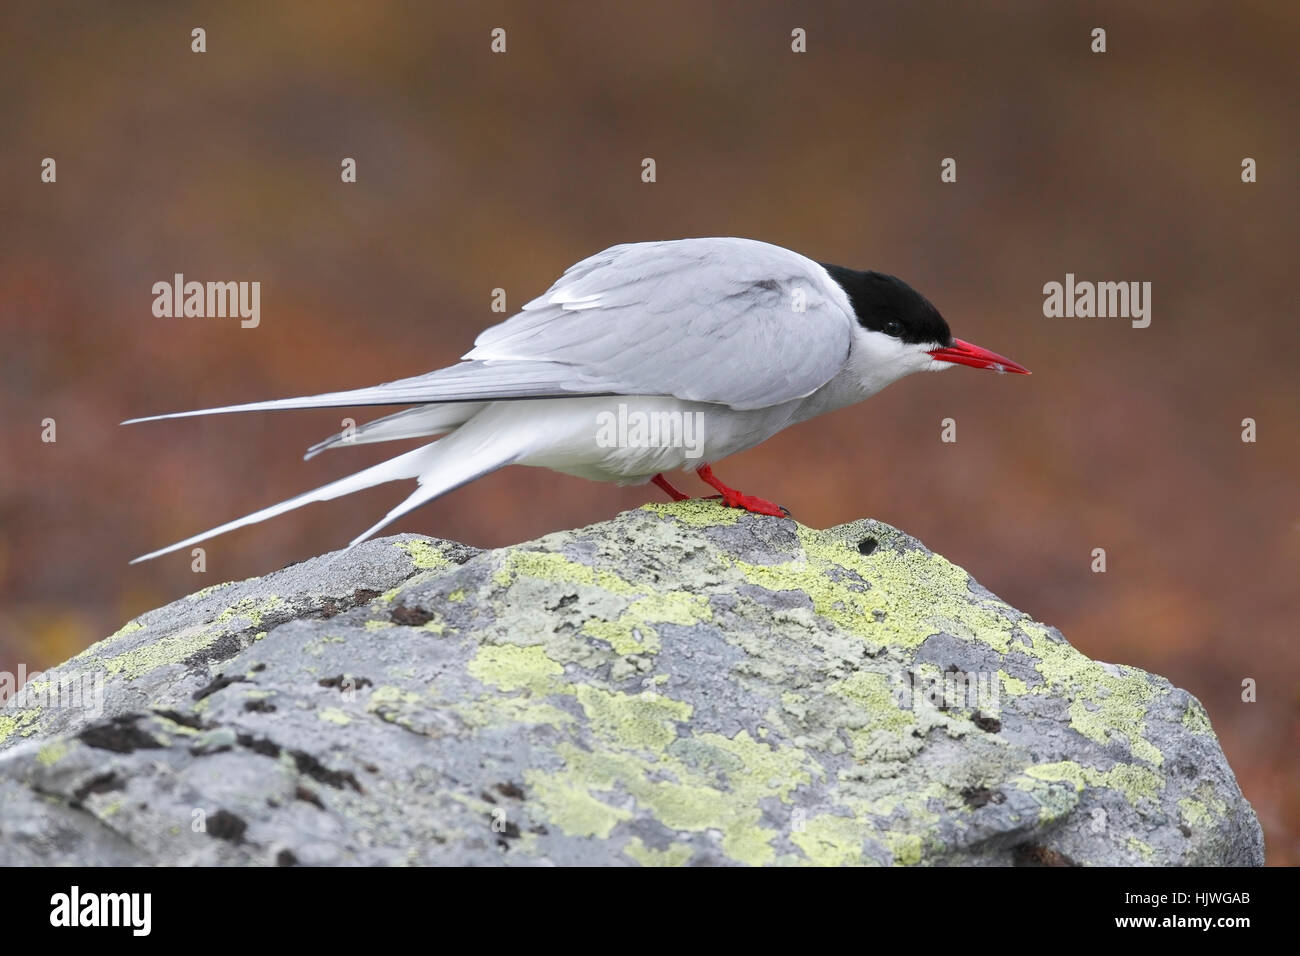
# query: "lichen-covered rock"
{"type": "Point", "coordinates": [683, 684]}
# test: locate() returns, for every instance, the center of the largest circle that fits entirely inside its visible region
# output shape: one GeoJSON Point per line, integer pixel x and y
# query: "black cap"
{"type": "Point", "coordinates": [885, 303]}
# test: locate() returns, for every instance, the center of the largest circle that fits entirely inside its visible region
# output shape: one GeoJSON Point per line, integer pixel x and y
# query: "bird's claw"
{"type": "Point", "coordinates": [752, 504]}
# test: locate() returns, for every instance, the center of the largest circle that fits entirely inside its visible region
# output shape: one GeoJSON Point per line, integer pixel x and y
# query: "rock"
{"type": "Point", "coordinates": [683, 684]}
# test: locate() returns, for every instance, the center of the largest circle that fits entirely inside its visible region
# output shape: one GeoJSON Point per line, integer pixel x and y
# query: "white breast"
{"type": "Point", "coordinates": [630, 439]}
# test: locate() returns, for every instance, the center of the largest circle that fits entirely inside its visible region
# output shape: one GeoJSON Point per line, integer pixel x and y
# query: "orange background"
{"type": "Point", "coordinates": [479, 170]}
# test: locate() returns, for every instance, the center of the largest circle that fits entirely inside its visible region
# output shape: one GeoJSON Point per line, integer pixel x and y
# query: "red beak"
{"type": "Point", "coordinates": [963, 353]}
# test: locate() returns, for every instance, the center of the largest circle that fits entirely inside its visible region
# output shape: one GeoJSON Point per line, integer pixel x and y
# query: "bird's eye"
{"type": "Point", "coordinates": [893, 327]}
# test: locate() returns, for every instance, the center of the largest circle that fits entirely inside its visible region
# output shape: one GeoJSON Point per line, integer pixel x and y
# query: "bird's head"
{"type": "Point", "coordinates": [899, 332]}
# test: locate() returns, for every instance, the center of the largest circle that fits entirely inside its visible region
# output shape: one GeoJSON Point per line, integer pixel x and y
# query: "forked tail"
{"type": "Point", "coordinates": [440, 467]}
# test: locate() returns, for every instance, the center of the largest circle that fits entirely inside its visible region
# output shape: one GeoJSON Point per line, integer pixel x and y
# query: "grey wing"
{"type": "Point", "coordinates": [463, 382]}
{"type": "Point", "coordinates": [731, 321]}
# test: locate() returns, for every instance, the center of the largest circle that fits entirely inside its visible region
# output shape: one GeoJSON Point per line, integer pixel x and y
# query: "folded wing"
{"type": "Point", "coordinates": [730, 321]}
{"type": "Point", "coordinates": [734, 322]}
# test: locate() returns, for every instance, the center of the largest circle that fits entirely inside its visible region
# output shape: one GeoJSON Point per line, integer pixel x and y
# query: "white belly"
{"type": "Point", "coordinates": [629, 439]}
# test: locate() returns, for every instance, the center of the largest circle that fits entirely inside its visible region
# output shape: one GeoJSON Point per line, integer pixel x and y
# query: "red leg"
{"type": "Point", "coordinates": [734, 499]}
{"type": "Point", "coordinates": [666, 485]}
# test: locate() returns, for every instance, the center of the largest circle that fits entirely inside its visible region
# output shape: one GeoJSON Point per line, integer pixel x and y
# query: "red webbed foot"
{"type": "Point", "coordinates": [735, 499]}
{"type": "Point", "coordinates": [667, 486]}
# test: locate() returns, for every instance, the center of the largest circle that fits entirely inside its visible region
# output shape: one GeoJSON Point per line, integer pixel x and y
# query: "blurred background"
{"type": "Point", "coordinates": [478, 171]}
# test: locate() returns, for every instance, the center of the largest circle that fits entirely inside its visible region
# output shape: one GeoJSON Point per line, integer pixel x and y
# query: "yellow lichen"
{"type": "Point", "coordinates": [424, 555]}
{"type": "Point", "coordinates": [511, 667]}
{"type": "Point", "coordinates": [677, 854]}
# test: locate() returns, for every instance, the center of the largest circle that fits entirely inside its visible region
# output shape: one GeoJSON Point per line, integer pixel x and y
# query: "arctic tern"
{"type": "Point", "coordinates": [747, 337]}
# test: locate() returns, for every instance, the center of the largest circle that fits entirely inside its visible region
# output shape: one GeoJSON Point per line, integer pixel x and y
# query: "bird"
{"type": "Point", "coordinates": [737, 337]}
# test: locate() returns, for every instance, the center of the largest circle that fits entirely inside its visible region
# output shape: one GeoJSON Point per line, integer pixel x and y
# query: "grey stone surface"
{"type": "Point", "coordinates": [682, 684]}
